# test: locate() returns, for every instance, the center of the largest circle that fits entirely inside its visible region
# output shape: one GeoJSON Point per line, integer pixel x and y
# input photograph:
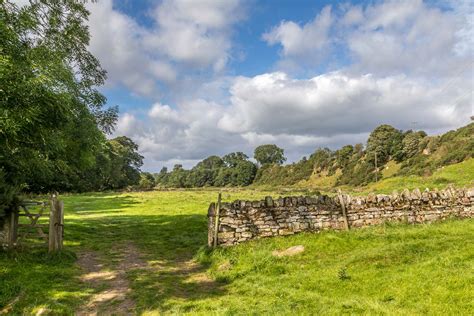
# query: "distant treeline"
{"type": "Point", "coordinates": [414, 151]}
{"type": "Point", "coordinates": [234, 169]}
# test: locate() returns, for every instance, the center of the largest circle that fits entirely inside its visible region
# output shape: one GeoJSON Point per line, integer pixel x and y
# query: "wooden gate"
{"type": "Point", "coordinates": [30, 230]}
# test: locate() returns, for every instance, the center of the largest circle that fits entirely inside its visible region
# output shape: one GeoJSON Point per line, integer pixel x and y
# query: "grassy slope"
{"type": "Point", "coordinates": [460, 174]}
{"type": "Point", "coordinates": [444, 150]}
{"type": "Point", "coordinates": [393, 269]}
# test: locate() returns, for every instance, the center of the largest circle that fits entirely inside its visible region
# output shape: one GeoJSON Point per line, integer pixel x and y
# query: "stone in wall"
{"type": "Point", "coordinates": [240, 221]}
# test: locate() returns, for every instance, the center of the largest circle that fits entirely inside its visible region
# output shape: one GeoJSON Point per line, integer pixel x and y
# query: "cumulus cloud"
{"type": "Point", "coordinates": [187, 133]}
{"type": "Point", "coordinates": [117, 41]}
{"type": "Point", "coordinates": [298, 114]}
{"type": "Point", "coordinates": [384, 38]}
{"type": "Point", "coordinates": [404, 62]}
{"type": "Point", "coordinates": [413, 38]}
{"type": "Point", "coordinates": [195, 32]}
{"type": "Point", "coordinates": [186, 36]}
{"type": "Point", "coordinates": [334, 103]}
{"type": "Point", "coordinates": [309, 40]}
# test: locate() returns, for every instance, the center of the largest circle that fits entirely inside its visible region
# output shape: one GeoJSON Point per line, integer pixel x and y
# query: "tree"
{"type": "Point", "coordinates": [178, 178]}
{"type": "Point", "coordinates": [231, 160]}
{"type": "Point", "coordinates": [205, 172]}
{"type": "Point", "coordinates": [162, 176]}
{"type": "Point", "coordinates": [322, 158]}
{"type": "Point", "coordinates": [211, 162]}
{"type": "Point", "coordinates": [386, 142]}
{"type": "Point", "coordinates": [269, 154]}
{"type": "Point", "coordinates": [411, 143]}
{"type": "Point", "coordinates": [125, 163]}
{"type": "Point", "coordinates": [244, 173]}
{"type": "Point", "coordinates": [224, 177]}
{"type": "Point", "coordinates": [147, 181]}
{"type": "Point", "coordinates": [343, 155]}
{"type": "Point", "coordinates": [51, 113]}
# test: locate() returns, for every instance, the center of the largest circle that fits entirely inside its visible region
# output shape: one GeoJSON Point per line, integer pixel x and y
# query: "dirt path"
{"type": "Point", "coordinates": [111, 283]}
{"type": "Point", "coordinates": [111, 288]}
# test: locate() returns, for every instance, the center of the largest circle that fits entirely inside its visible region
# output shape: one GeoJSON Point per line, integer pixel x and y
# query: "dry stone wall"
{"type": "Point", "coordinates": [240, 221]}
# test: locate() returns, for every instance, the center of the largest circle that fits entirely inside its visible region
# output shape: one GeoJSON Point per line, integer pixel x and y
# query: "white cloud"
{"type": "Point", "coordinates": [185, 34]}
{"type": "Point", "coordinates": [127, 125]}
{"type": "Point", "coordinates": [384, 38]}
{"type": "Point", "coordinates": [163, 112]}
{"type": "Point", "coordinates": [21, 3]}
{"type": "Point", "coordinates": [413, 38]}
{"type": "Point", "coordinates": [336, 103]}
{"type": "Point", "coordinates": [195, 32]}
{"type": "Point", "coordinates": [186, 133]}
{"type": "Point", "coordinates": [308, 41]}
{"type": "Point", "coordinates": [298, 114]}
{"type": "Point", "coordinates": [116, 40]}
{"type": "Point", "coordinates": [405, 62]}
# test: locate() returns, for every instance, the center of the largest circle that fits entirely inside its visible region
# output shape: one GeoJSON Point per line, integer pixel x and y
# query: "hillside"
{"type": "Point", "coordinates": [400, 156]}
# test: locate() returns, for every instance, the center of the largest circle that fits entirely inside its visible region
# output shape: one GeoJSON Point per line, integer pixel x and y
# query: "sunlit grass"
{"type": "Point", "coordinates": [461, 174]}
{"type": "Point", "coordinates": [424, 269]}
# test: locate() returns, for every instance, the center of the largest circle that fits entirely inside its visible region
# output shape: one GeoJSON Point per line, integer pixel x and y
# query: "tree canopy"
{"type": "Point", "coordinates": [233, 169]}
{"type": "Point", "coordinates": [52, 117]}
{"type": "Point", "coordinates": [269, 154]}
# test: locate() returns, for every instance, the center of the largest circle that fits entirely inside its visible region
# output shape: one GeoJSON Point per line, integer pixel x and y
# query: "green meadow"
{"type": "Point", "coordinates": [154, 243]}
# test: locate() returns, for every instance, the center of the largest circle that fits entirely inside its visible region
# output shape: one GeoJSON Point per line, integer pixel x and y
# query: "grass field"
{"type": "Point", "coordinates": [148, 250]}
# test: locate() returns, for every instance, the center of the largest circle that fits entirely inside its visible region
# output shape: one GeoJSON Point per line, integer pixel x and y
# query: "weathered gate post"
{"type": "Point", "coordinates": [216, 221]}
{"type": "Point", "coordinates": [11, 227]}
{"type": "Point", "coordinates": [56, 224]}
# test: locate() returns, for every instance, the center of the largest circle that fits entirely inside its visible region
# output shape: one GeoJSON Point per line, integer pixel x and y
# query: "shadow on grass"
{"type": "Point", "coordinates": [31, 278]}
{"type": "Point", "coordinates": [168, 243]}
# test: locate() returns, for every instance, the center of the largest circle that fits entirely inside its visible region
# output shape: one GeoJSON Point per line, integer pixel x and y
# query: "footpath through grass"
{"type": "Point", "coordinates": [424, 269]}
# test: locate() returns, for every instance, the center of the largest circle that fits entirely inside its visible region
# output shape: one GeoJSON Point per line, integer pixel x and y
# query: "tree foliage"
{"type": "Point", "coordinates": [416, 153]}
{"type": "Point", "coordinates": [384, 143]}
{"type": "Point", "coordinates": [52, 117]}
{"type": "Point", "coordinates": [147, 181]}
{"type": "Point", "coordinates": [269, 154]}
{"type": "Point", "coordinates": [233, 169]}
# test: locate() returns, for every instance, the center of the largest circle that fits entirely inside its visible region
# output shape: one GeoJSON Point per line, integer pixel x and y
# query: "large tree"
{"type": "Point", "coordinates": [269, 154]}
{"type": "Point", "coordinates": [51, 113]}
{"type": "Point", "coordinates": [124, 163]}
{"type": "Point", "coordinates": [231, 160]}
{"type": "Point", "coordinates": [385, 142]}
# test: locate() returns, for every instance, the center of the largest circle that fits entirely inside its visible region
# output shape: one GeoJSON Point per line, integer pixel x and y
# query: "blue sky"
{"type": "Point", "coordinates": [204, 77]}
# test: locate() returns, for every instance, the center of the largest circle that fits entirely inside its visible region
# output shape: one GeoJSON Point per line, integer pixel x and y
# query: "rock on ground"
{"type": "Point", "coordinates": [289, 252]}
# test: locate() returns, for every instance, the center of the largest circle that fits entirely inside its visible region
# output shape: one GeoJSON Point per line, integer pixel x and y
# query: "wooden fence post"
{"type": "Point", "coordinates": [343, 206]}
{"type": "Point", "coordinates": [56, 224]}
{"type": "Point", "coordinates": [211, 213]}
{"type": "Point", "coordinates": [52, 221]}
{"type": "Point", "coordinates": [12, 222]}
{"type": "Point", "coordinates": [60, 225]}
{"type": "Point", "coordinates": [216, 221]}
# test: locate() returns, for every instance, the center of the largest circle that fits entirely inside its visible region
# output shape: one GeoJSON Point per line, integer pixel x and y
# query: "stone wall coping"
{"type": "Point", "coordinates": [405, 196]}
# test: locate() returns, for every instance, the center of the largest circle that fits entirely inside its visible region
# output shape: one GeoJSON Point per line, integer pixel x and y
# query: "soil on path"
{"type": "Point", "coordinates": [110, 283]}
{"type": "Point", "coordinates": [107, 278]}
